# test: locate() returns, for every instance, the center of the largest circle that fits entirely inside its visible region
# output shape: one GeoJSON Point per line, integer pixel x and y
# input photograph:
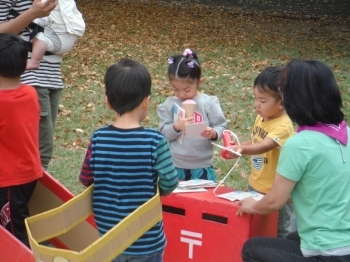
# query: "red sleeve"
{"type": "Point", "coordinates": [86, 176]}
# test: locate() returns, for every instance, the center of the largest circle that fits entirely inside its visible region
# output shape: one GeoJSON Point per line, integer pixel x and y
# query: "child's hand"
{"type": "Point", "coordinates": [179, 125]}
{"type": "Point", "coordinates": [236, 148]}
{"type": "Point", "coordinates": [232, 143]}
{"type": "Point", "coordinates": [209, 133]}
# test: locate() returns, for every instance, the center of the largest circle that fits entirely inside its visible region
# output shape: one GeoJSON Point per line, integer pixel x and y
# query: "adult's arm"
{"type": "Point", "coordinates": [273, 201]}
{"type": "Point", "coordinates": [37, 10]}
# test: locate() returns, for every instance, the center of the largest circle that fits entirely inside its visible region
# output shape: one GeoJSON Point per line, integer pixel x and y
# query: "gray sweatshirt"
{"type": "Point", "coordinates": [193, 152]}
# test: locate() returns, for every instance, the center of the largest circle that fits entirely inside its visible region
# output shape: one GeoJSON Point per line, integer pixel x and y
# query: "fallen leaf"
{"type": "Point", "coordinates": [79, 130]}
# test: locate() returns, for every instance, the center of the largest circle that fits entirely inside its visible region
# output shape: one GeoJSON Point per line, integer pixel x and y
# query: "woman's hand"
{"type": "Point", "coordinates": [42, 8]}
{"type": "Point", "coordinates": [37, 10]}
{"type": "Point", "coordinates": [246, 206]}
{"type": "Point", "coordinates": [273, 201]}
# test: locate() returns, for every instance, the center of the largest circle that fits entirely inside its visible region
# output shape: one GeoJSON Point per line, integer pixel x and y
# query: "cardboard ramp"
{"type": "Point", "coordinates": [75, 239]}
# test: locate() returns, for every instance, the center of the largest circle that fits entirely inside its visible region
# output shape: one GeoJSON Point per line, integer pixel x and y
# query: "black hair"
{"type": "Point", "coordinates": [127, 83]}
{"type": "Point", "coordinates": [185, 65]}
{"type": "Point", "coordinates": [13, 55]}
{"type": "Point", "coordinates": [310, 93]}
{"type": "Point", "coordinates": [268, 81]}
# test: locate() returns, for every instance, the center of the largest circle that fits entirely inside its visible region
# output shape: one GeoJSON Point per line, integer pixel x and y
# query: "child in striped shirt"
{"type": "Point", "coordinates": [125, 160]}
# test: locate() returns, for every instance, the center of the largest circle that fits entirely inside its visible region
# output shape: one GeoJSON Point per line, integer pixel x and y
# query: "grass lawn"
{"type": "Point", "coordinates": [233, 48]}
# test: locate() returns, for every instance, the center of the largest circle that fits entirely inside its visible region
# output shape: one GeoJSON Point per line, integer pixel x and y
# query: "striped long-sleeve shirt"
{"type": "Point", "coordinates": [48, 75]}
{"type": "Point", "coordinates": [124, 165]}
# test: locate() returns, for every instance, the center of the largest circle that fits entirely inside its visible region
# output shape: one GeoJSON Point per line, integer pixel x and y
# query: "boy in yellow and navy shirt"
{"type": "Point", "coordinates": [271, 129]}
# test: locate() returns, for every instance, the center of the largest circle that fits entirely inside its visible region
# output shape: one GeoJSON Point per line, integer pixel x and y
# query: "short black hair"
{"type": "Point", "coordinates": [184, 66]}
{"type": "Point", "coordinates": [13, 55]}
{"type": "Point", "coordinates": [268, 81]}
{"type": "Point", "coordinates": [127, 83]}
{"type": "Point", "coordinates": [310, 93]}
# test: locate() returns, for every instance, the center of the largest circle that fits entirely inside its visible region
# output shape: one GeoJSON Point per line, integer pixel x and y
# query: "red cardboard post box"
{"type": "Point", "coordinates": [202, 227]}
{"type": "Point", "coordinates": [12, 250]}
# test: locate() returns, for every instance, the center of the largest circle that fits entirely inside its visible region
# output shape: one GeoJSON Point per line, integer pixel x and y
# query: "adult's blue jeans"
{"type": "Point", "coordinates": [155, 257]}
{"type": "Point", "coordinates": [270, 249]}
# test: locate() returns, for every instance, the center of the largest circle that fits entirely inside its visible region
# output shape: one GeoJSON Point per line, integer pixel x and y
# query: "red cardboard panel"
{"type": "Point", "coordinates": [202, 227]}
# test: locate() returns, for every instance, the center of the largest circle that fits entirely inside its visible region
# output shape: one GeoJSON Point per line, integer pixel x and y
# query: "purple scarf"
{"type": "Point", "coordinates": [338, 132]}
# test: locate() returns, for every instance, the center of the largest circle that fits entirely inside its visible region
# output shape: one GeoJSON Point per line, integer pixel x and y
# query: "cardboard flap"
{"type": "Point", "coordinates": [58, 221]}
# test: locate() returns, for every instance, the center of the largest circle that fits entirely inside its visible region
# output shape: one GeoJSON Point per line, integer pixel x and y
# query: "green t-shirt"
{"type": "Point", "coordinates": [321, 196]}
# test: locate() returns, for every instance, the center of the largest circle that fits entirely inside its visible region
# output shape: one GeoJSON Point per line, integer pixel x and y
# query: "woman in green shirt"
{"type": "Point", "coordinates": [313, 168]}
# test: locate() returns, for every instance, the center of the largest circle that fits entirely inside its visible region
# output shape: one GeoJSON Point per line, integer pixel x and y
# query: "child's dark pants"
{"type": "Point", "coordinates": [14, 209]}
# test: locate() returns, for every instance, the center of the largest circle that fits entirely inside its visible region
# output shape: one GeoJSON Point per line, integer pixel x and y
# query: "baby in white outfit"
{"type": "Point", "coordinates": [62, 28]}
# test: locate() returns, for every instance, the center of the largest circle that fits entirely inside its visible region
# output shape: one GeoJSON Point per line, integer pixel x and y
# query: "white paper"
{"type": "Point", "coordinates": [239, 195]}
{"type": "Point", "coordinates": [177, 110]}
{"type": "Point", "coordinates": [178, 190]}
{"type": "Point", "coordinates": [196, 183]}
{"type": "Point", "coordinates": [194, 130]}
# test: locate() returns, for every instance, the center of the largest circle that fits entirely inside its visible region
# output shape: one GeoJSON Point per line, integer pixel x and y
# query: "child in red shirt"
{"type": "Point", "coordinates": [20, 165]}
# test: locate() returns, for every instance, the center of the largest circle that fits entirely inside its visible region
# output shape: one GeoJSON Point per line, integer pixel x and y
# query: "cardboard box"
{"type": "Point", "coordinates": [202, 227]}
{"type": "Point", "coordinates": [12, 250]}
{"type": "Point", "coordinates": [49, 193]}
{"type": "Point", "coordinates": [68, 224]}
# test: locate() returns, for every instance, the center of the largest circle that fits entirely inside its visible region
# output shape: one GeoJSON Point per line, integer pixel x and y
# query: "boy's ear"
{"type": "Point", "coordinates": [281, 106]}
{"type": "Point", "coordinates": [107, 103]}
{"type": "Point", "coordinates": [146, 102]}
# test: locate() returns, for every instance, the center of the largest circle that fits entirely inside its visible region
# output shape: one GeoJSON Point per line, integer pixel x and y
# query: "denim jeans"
{"type": "Point", "coordinates": [269, 249]}
{"type": "Point", "coordinates": [155, 257]}
{"type": "Point", "coordinates": [284, 220]}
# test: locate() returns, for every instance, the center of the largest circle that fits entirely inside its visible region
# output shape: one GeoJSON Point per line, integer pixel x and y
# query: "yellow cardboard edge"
{"type": "Point", "coordinates": [153, 204]}
{"type": "Point", "coordinates": [59, 213]}
{"type": "Point", "coordinates": [110, 245]}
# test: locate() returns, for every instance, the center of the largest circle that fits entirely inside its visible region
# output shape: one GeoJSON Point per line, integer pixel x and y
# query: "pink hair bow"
{"type": "Point", "coordinates": [187, 52]}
